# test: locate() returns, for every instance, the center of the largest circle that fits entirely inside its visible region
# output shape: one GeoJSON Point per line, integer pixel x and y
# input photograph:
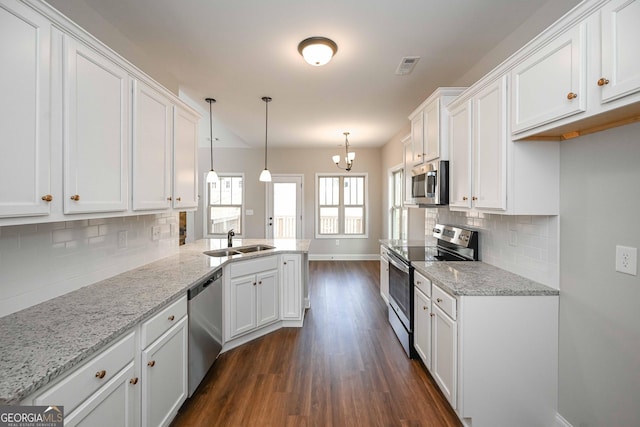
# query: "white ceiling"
{"type": "Point", "coordinates": [238, 51]}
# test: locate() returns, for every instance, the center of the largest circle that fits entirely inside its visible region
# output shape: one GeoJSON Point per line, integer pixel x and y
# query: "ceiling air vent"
{"type": "Point", "coordinates": [406, 65]}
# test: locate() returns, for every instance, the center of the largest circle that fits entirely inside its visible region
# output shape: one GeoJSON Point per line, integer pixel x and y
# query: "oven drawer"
{"type": "Point", "coordinates": [445, 301]}
{"type": "Point", "coordinates": [422, 283]}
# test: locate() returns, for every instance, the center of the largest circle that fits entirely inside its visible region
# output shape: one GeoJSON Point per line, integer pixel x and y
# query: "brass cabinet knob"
{"type": "Point", "coordinates": [178, 198]}
{"type": "Point", "coordinates": [75, 197]}
{"type": "Point", "coordinates": [169, 198]}
{"type": "Point", "coordinates": [465, 198]}
{"type": "Point", "coordinates": [151, 364]}
{"type": "Point", "coordinates": [474, 198]}
{"type": "Point", "coordinates": [431, 314]}
{"type": "Point", "coordinates": [439, 299]}
{"type": "Point", "coordinates": [101, 374]}
{"type": "Point", "coordinates": [424, 307]}
{"type": "Point", "coordinates": [172, 317]}
{"type": "Point", "coordinates": [603, 82]}
{"type": "Point", "coordinates": [572, 95]}
{"type": "Point", "coordinates": [47, 197]}
{"type": "Point", "coordinates": [133, 381]}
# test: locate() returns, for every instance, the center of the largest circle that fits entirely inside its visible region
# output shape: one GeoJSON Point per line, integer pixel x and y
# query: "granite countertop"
{"type": "Point", "coordinates": [40, 343]}
{"type": "Point", "coordinates": [475, 278]}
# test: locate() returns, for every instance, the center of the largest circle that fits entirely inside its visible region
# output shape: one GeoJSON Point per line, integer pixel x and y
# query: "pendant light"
{"type": "Point", "coordinates": [349, 156]}
{"type": "Point", "coordinates": [265, 176]}
{"type": "Point", "coordinates": [212, 176]}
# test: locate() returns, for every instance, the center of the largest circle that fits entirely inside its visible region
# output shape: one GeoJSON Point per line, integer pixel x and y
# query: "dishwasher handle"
{"type": "Point", "coordinates": [201, 286]}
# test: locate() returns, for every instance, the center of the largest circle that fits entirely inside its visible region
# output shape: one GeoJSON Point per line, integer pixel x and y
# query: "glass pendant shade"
{"type": "Point", "coordinates": [212, 176]}
{"type": "Point", "coordinates": [336, 158]}
{"type": "Point", "coordinates": [265, 176]}
{"type": "Point", "coordinates": [351, 156]}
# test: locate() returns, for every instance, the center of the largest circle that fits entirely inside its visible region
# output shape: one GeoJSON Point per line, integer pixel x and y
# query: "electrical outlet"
{"type": "Point", "coordinates": [122, 239]}
{"type": "Point", "coordinates": [155, 232]}
{"type": "Point", "coordinates": [627, 260]}
{"type": "Point", "coordinates": [337, 242]}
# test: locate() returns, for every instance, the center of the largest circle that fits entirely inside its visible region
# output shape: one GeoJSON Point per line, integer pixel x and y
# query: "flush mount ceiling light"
{"type": "Point", "coordinates": [317, 51]}
{"type": "Point", "coordinates": [265, 175]}
{"type": "Point", "coordinates": [212, 176]}
{"type": "Point", "coordinates": [349, 156]}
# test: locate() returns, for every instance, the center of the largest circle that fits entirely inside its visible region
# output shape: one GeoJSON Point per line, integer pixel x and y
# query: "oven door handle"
{"type": "Point", "coordinates": [397, 263]}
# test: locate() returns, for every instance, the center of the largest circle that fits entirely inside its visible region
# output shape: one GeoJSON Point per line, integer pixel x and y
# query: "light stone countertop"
{"type": "Point", "coordinates": [40, 343]}
{"type": "Point", "coordinates": [475, 278]}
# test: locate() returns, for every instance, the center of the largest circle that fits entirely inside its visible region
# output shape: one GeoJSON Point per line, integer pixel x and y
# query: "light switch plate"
{"type": "Point", "coordinates": [627, 260]}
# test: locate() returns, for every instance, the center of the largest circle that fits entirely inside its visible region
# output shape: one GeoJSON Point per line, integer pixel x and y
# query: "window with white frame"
{"type": "Point", "coordinates": [341, 206]}
{"type": "Point", "coordinates": [397, 212]}
{"type": "Point", "coordinates": [226, 199]}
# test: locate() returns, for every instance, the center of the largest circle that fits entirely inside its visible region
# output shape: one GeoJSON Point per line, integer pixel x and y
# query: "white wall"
{"type": "Point", "coordinates": [307, 162]}
{"type": "Point", "coordinates": [599, 313]}
{"type": "Point", "coordinates": [42, 261]}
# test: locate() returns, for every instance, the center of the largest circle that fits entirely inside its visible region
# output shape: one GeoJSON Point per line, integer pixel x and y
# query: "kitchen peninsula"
{"type": "Point", "coordinates": [52, 340]}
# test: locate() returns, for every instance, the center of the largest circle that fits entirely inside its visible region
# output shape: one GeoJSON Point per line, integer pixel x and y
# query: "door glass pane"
{"type": "Point", "coordinates": [284, 210]}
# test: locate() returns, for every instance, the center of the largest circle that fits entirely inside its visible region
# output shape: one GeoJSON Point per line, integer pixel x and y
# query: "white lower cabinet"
{"type": "Point", "coordinates": [422, 326]}
{"type": "Point", "coordinates": [444, 351]}
{"type": "Point", "coordinates": [384, 274]}
{"type": "Point", "coordinates": [291, 301]}
{"type": "Point", "coordinates": [141, 380]}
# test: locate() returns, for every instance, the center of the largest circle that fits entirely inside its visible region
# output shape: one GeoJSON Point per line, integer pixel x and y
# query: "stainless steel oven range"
{"type": "Point", "coordinates": [453, 244]}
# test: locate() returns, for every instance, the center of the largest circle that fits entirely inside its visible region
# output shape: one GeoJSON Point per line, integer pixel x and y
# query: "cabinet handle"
{"type": "Point", "coordinates": [424, 307]}
{"type": "Point", "coordinates": [465, 198]}
{"type": "Point", "coordinates": [101, 374]}
{"type": "Point", "coordinates": [179, 198]}
{"type": "Point", "coordinates": [254, 283]}
{"type": "Point", "coordinates": [169, 198]}
{"type": "Point", "coordinates": [603, 82]}
{"type": "Point", "coordinates": [285, 263]}
{"type": "Point", "coordinates": [260, 282]}
{"type": "Point", "coordinates": [133, 381]}
{"type": "Point", "coordinates": [172, 317]}
{"type": "Point", "coordinates": [572, 95]}
{"type": "Point", "coordinates": [47, 198]}
{"type": "Point", "coordinates": [439, 299]}
{"type": "Point", "coordinates": [75, 197]}
{"type": "Point", "coordinates": [151, 364]}
{"type": "Point", "coordinates": [474, 198]}
{"type": "Point", "coordinates": [431, 314]}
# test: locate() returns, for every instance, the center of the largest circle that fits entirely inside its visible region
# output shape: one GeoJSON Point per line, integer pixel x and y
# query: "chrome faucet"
{"type": "Point", "coordinates": [230, 235]}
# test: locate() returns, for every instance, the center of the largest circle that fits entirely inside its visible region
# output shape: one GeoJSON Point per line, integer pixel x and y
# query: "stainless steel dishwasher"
{"type": "Point", "coordinates": [205, 327]}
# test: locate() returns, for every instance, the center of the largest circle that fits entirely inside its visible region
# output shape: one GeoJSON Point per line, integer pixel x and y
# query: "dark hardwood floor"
{"type": "Point", "coordinates": [345, 367]}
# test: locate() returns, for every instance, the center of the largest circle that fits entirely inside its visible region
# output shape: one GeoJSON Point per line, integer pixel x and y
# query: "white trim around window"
{"type": "Point", "coordinates": [340, 206]}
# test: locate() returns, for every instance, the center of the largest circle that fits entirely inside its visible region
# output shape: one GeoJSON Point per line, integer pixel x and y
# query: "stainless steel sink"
{"type": "Point", "coordinates": [253, 248]}
{"type": "Point", "coordinates": [222, 252]}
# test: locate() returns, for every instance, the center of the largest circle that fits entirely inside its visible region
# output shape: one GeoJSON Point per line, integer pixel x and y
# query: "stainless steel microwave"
{"type": "Point", "coordinates": [430, 184]}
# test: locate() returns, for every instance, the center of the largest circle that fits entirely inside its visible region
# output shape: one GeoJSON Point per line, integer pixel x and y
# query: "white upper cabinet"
{"type": "Point", "coordinates": [620, 32]}
{"type": "Point", "coordinates": [429, 127]}
{"type": "Point", "coordinates": [96, 132]}
{"type": "Point", "coordinates": [460, 134]}
{"type": "Point", "coordinates": [24, 111]}
{"type": "Point", "coordinates": [551, 83]}
{"type": "Point", "coordinates": [152, 143]}
{"type": "Point", "coordinates": [490, 147]}
{"type": "Point", "coordinates": [185, 159]}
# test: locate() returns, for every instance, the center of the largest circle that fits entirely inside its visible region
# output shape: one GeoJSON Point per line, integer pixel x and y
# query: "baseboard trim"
{"type": "Point", "coordinates": [344, 257]}
{"type": "Point", "coordinates": [561, 422]}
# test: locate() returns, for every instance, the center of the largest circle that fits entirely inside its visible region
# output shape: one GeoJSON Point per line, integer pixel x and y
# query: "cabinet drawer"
{"type": "Point", "coordinates": [445, 301]}
{"type": "Point", "coordinates": [161, 322]}
{"type": "Point", "coordinates": [83, 382]}
{"type": "Point", "coordinates": [422, 283]}
{"type": "Point", "coordinates": [253, 266]}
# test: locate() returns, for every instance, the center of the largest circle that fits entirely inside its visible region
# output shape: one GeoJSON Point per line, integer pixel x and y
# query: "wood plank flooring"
{"type": "Point", "coordinates": [345, 367]}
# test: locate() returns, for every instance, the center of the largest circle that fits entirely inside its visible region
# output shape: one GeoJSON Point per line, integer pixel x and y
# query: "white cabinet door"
{"type": "Point", "coordinates": [431, 136]}
{"type": "Point", "coordinates": [24, 111]}
{"type": "Point", "coordinates": [620, 59]}
{"type": "Point", "coordinates": [445, 354]}
{"type": "Point", "coordinates": [384, 275]}
{"type": "Point", "coordinates": [267, 297]}
{"type": "Point", "coordinates": [96, 132]}
{"type": "Point", "coordinates": [490, 146]}
{"type": "Point", "coordinates": [417, 140]}
{"type": "Point", "coordinates": [115, 404]}
{"type": "Point", "coordinates": [550, 84]}
{"type": "Point", "coordinates": [460, 134]}
{"type": "Point", "coordinates": [407, 162]}
{"type": "Point", "coordinates": [422, 327]}
{"type": "Point", "coordinates": [164, 377]}
{"type": "Point", "coordinates": [185, 159]}
{"type": "Point", "coordinates": [152, 138]}
{"type": "Point", "coordinates": [291, 277]}
{"type": "Point", "coordinates": [243, 305]}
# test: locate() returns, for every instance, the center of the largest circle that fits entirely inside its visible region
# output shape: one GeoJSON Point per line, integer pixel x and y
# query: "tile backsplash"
{"type": "Point", "coordinates": [42, 261]}
{"type": "Point", "coordinates": [524, 245]}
